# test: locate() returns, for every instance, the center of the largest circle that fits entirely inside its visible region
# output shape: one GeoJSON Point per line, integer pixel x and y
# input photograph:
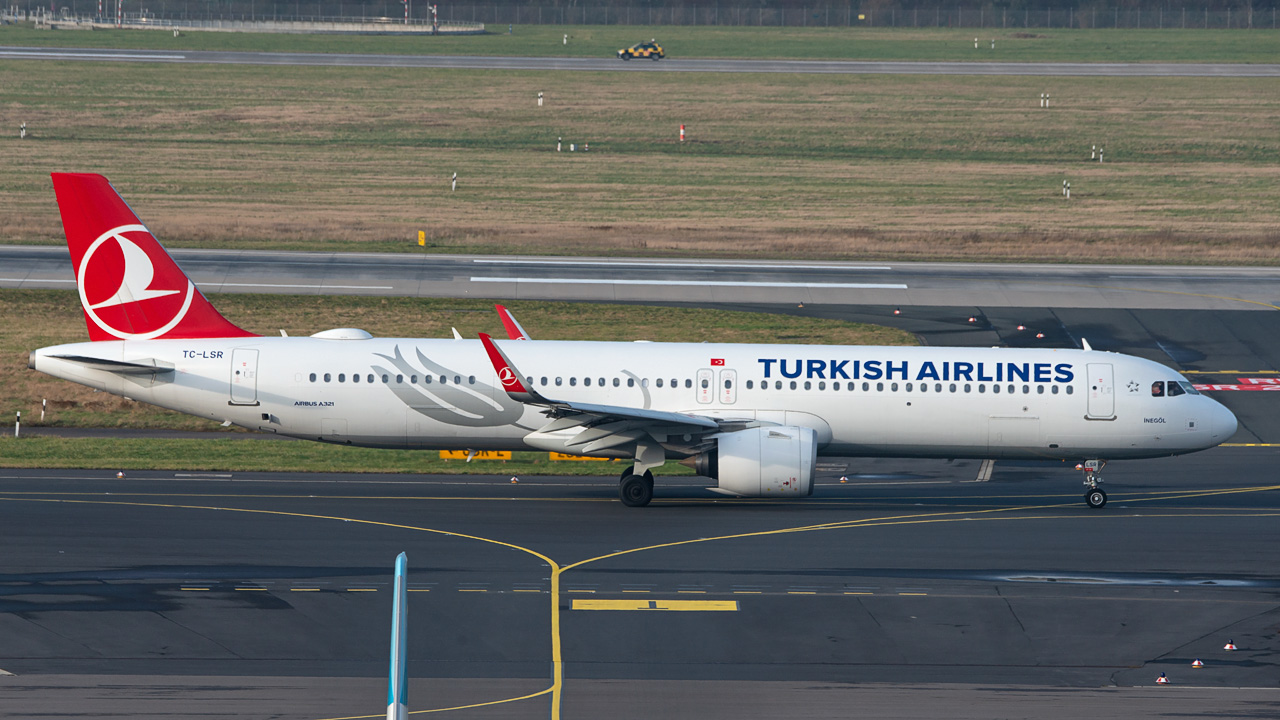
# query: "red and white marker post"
{"type": "Point", "coordinates": [682, 133]}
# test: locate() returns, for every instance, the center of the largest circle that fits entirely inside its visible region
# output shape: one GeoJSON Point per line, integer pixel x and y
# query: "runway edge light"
{"type": "Point", "coordinates": [398, 681]}
{"type": "Point", "coordinates": [1197, 663]}
{"type": "Point", "coordinates": [1231, 645]}
{"type": "Point", "coordinates": [1162, 680]}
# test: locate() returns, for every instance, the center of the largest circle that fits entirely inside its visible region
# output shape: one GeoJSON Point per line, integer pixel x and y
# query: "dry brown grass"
{"type": "Point", "coordinates": [776, 166]}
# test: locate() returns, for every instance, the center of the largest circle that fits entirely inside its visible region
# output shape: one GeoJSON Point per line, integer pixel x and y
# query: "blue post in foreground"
{"type": "Point", "coordinates": [398, 684]}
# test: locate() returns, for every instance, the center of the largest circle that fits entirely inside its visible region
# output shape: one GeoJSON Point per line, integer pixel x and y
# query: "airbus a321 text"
{"type": "Point", "coordinates": [753, 418]}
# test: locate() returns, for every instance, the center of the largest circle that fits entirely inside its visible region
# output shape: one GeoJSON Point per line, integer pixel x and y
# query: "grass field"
{"type": "Point", "coordinates": [51, 317]}
{"type": "Point", "coordinates": [1012, 44]}
{"type": "Point", "coordinates": [241, 453]}
{"type": "Point", "coordinates": [801, 166]}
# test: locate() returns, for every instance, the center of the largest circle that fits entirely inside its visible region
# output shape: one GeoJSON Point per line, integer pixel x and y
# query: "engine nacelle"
{"type": "Point", "coordinates": [763, 462]}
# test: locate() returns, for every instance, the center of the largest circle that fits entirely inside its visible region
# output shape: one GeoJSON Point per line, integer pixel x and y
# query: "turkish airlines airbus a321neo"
{"type": "Point", "coordinates": [754, 418]}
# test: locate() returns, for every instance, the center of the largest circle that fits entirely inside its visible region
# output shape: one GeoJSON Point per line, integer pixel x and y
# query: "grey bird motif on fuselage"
{"type": "Point", "coordinates": [471, 405]}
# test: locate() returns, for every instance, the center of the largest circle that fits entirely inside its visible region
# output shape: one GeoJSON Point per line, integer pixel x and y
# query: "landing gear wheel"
{"type": "Point", "coordinates": [1096, 498]}
{"type": "Point", "coordinates": [636, 490]}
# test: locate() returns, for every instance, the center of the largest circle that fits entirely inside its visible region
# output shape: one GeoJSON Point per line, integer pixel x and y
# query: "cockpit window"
{"type": "Point", "coordinates": [1189, 387]}
{"type": "Point", "coordinates": [1157, 388]}
{"type": "Point", "coordinates": [1175, 389]}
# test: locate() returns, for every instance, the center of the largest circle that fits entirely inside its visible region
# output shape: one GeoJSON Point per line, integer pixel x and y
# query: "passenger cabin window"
{"type": "Point", "coordinates": [327, 377]}
{"type": "Point", "coordinates": [749, 384]}
{"type": "Point", "coordinates": [573, 381]}
{"type": "Point", "coordinates": [616, 382]}
{"type": "Point", "coordinates": [313, 377]}
{"type": "Point", "coordinates": [688, 383]}
{"type": "Point", "coordinates": [355, 377]}
{"type": "Point", "coordinates": [659, 381]}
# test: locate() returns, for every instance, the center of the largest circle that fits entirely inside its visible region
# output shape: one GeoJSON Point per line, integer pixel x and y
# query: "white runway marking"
{"type": "Point", "coordinates": [321, 287]}
{"type": "Point", "coordinates": [77, 55]}
{"type": "Point", "coordinates": [35, 280]}
{"type": "Point", "coordinates": [690, 283]}
{"type": "Point", "coordinates": [691, 266]}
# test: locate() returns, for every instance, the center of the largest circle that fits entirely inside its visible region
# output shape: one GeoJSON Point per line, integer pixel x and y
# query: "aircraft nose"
{"type": "Point", "coordinates": [1222, 422]}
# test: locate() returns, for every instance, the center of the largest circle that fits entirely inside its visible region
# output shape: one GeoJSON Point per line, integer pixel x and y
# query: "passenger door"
{"type": "Point", "coordinates": [1102, 398]}
{"type": "Point", "coordinates": [244, 376]}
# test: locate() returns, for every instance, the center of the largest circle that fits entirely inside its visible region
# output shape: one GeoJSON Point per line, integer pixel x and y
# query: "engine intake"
{"type": "Point", "coordinates": [763, 462]}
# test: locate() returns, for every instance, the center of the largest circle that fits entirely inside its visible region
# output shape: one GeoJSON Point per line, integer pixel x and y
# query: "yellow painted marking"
{"type": "Point", "coordinates": [252, 589]}
{"type": "Point", "coordinates": [480, 455]}
{"type": "Point", "coordinates": [563, 457]}
{"type": "Point", "coordinates": [1250, 445]}
{"type": "Point", "coordinates": [534, 591]}
{"type": "Point", "coordinates": [677, 605]}
{"type": "Point", "coordinates": [859, 593]}
{"type": "Point", "coordinates": [304, 589]}
{"type": "Point", "coordinates": [635, 591]}
{"type": "Point", "coordinates": [1244, 373]}
{"type": "Point", "coordinates": [914, 594]}
{"type": "Point", "coordinates": [580, 591]}
{"type": "Point", "coordinates": [691, 592]}
{"type": "Point", "coordinates": [748, 592]}
{"type": "Point", "coordinates": [801, 592]}
{"type": "Point", "coordinates": [362, 589]}
{"type": "Point", "coordinates": [471, 590]}
{"type": "Point", "coordinates": [418, 590]}
{"type": "Point", "coordinates": [193, 589]}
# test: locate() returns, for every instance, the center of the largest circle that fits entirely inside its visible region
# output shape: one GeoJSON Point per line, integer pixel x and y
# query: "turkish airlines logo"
{"type": "Point", "coordinates": [508, 378]}
{"type": "Point", "coordinates": [119, 289]}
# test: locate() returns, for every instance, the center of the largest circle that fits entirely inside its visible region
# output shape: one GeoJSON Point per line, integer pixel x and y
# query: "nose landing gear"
{"type": "Point", "coordinates": [1094, 496]}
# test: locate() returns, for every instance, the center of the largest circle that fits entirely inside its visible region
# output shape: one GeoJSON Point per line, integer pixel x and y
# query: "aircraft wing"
{"type": "Point", "coordinates": [620, 421]}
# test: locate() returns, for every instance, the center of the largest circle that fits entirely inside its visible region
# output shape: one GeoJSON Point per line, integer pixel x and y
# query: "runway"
{"type": "Point", "coordinates": [694, 281]}
{"type": "Point", "coordinates": [610, 64]}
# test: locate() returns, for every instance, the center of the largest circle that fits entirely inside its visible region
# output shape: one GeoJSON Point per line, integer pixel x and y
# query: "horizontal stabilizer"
{"type": "Point", "coordinates": [120, 367]}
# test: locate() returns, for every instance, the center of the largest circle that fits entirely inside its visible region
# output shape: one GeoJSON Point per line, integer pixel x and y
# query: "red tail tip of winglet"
{"type": "Point", "coordinates": [514, 330]}
{"type": "Point", "coordinates": [130, 289]}
{"type": "Point", "coordinates": [506, 374]}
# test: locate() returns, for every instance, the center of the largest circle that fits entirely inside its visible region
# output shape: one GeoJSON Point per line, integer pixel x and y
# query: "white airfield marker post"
{"type": "Point", "coordinates": [398, 679]}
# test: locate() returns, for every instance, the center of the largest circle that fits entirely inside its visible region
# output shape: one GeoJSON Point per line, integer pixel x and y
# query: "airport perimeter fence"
{"type": "Point", "coordinates": [871, 14]}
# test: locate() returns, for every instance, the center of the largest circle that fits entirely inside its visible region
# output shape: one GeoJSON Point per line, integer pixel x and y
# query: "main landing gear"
{"type": "Point", "coordinates": [635, 490]}
{"type": "Point", "coordinates": [1094, 496]}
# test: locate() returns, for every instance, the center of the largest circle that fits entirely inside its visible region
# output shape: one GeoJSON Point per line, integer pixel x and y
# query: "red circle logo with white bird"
{"type": "Point", "coordinates": [129, 287]}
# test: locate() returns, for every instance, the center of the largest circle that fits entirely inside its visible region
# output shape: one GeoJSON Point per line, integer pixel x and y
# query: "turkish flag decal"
{"type": "Point", "coordinates": [717, 362]}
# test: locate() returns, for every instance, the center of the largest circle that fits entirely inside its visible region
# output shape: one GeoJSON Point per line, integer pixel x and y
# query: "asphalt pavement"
{"type": "Point", "coordinates": [693, 281]}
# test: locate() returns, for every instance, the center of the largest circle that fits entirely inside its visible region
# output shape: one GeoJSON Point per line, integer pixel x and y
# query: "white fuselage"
{"type": "Point", "coordinates": [860, 400]}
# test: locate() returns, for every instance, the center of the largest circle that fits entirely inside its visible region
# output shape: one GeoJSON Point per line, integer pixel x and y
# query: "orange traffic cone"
{"type": "Point", "coordinates": [1231, 645]}
{"type": "Point", "coordinates": [1162, 680]}
{"type": "Point", "coordinates": [1197, 663]}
